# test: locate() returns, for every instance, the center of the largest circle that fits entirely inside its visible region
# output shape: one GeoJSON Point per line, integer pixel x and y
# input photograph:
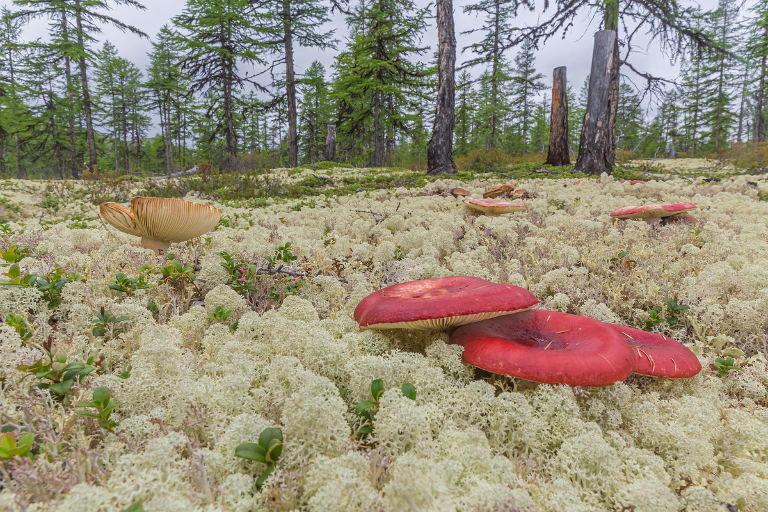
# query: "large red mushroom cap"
{"type": "Point", "coordinates": [440, 303]}
{"type": "Point", "coordinates": [659, 356]}
{"type": "Point", "coordinates": [548, 347]}
{"type": "Point", "coordinates": [652, 211]}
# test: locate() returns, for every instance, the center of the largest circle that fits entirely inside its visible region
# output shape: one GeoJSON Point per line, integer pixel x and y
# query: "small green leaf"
{"type": "Point", "coordinates": [409, 390]}
{"type": "Point", "coordinates": [88, 413]}
{"type": "Point", "coordinates": [61, 388]}
{"type": "Point", "coordinates": [7, 442]}
{"type": "Point", "coordinates": [135, 507]}
{"type": "Point", "coordinates": [377, 388]}
{"type": "Point", "coordinates": [365, 404]}
{"type": "Point", "coordinates": [251, 451]}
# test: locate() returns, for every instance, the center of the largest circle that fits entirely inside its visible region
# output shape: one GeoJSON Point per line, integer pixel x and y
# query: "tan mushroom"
{"type": "Point", "coordinates": [499, 191]}
{"type": "Point", "coordinates": [493, 207]}
{"type": "Point", "coordinates": [160, 221]}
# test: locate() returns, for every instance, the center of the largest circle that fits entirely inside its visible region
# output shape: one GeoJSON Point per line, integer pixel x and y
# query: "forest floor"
{"type": "Point", "coordinates": [198, 362]}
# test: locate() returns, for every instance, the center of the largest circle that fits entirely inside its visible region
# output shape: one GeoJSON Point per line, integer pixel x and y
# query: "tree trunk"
{"type": "Point", "coordinates": [70, 102]}
{"type": "Point", "coordinates": [596, 152]}
{"type": "Point", "coordinates": [378, 132]}
{"type": "Point", "coordinates": [16, 153]}
{"type": "Point", "coordinates": [89, 134]}
{"type": "Point", "coordinates": [612, 23]}
{"type": "Point", "coordinates": [440, 147]}
{"type": "Point", "coordinates": [229, 127]}
{"type": "Point", "coordinates": [558, 125]}
{"type": "Point", "coordinates": [290, 86]}
{"type": "Point", "coordinates": [330, 144]}
{"type": "Point", "coordinates": [759, 120]}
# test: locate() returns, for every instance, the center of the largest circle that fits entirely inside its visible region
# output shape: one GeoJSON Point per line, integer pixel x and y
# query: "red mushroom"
{"type": "Point", "coordinates": [440, 303]}
{"type": "Point", "coordinates": [657, 355]}
{"type": "Point", "coordinates": [631, 182]}
{"type": "Point", "coordinates": [548, 347]}
{"type": "Point", "coordinates": [652, 212]}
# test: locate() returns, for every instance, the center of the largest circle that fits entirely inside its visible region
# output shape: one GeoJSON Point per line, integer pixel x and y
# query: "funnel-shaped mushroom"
{"type": "Point", "coordinates": [160, 221]}
{"type": "Point", "coordinates": [493, 207]}
{"type": "Point", "coordinates": [652, 212]}
{"type": "Point", "coordinates": [657, 355]}
{"type": "Point", "coordinates": [499, 191]}
{"type": "Point", "coordinates": [548, 347]}
{"type": "Point", "coordinates": [440, 303]}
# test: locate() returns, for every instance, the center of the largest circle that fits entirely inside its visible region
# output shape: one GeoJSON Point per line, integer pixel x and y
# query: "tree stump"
{"type": "Point", "coordinates": [558, 126]}
{"type": "Point", "coordinates": [596, 151]}
{"type": "Point", "coordinates": [330, 144]}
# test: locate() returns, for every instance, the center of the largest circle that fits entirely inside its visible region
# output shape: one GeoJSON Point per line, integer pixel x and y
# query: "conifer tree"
{"type": "Point", "coordinates": [463, 113]}
{"type": "Point", "coordinates": [376, 70]}
{"type": "Point", "coordinates": [219, 37]}
{"type": "Point", "coordinates": [526, 84]}
{"type": "Point", "coordinates": [314, 112]}
{"type": "Point", "coordinates": [497, 26]}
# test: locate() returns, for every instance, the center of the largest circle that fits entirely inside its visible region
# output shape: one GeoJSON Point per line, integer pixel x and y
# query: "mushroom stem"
{"type": "Point", "coordinates": [160, 247]}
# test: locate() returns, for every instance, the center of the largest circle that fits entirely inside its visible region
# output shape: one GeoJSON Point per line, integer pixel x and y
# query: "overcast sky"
{"type": "Point", "coordinates": [574, 51]}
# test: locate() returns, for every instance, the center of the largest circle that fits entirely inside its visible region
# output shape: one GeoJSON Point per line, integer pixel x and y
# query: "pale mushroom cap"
{"type": "Point", "coordinates": [169, 220]}
{"type": "Point", "coordinates": [493, 207]}
{"type": "Point", "coordinates": [652, 211]}
{"type": "Point", "coordinates": [119, 217]}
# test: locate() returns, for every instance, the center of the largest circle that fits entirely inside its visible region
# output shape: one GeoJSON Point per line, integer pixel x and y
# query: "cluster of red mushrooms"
{"type": "Point", "coordinates": [502, 334]}
{"type": "Point", "coordinates": [650, 213]}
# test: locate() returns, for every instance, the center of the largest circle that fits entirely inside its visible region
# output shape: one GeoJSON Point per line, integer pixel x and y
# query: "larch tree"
{"type": "Point", "coordinates": [219, 37]}
{"type": "Point", "coordinates": [526, 84]}
{"type": "Point", "coordinates": [297, 26]}
{"type": "Point", "coordinates": [758, 47]}
{"type": "Point", "coordinates": [314, 112]}
{"type": "Point", "coordinates": [168, 86]}
{"type": "Point", "coordinates": [497, 26]}
{"type": "Point", "coordinates": [375, 73]}
{"type": "Point", "coordinates": [464, 110]}
{"type": "Point", "coordinates": [11, 120]}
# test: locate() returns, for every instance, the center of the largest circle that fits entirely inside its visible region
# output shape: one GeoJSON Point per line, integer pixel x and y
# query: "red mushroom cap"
{"type": "Point", "coordinates": [440, 303]}
{"type": "Point", "coordinates": [651, 211]}
{"type": "Point", "coordinates": [659, 356]}
{"type": "Point", "coordinates": [548, 347]}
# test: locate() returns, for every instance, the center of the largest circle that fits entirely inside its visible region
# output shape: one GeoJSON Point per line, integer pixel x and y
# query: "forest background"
{"type": "Point", "coordinates": [215, 87]}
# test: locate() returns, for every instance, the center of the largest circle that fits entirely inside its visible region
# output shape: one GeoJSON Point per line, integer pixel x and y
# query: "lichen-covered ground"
{"type": "Point", "coordinates": [191, 383]}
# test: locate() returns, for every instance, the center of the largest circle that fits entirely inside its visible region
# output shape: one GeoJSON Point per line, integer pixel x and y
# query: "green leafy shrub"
{"type": "Point", "coordinates": [105, 322]}
{"type": "Point", "coordinates": [366, 410]}
{"type": "Point", "coordinates": [125, 284]}
{"type": "Point", "coordinates": [56, 374]}
{"type": "Point", "coordinates": [104, 405]}
{"type": "Point", "coordinates": [18, 323]}
{"type": "Point", "coordinates": [10, 447]}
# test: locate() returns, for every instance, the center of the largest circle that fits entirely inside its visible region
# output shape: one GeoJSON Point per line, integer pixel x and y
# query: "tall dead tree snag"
{"type": "Point", "coordinates": [440, 149]}
{"type": "Point", "coordinates": [330, 144]}
{"type": "Point", "coordinates": [596, 152]}
{"type": "Point", "coordinates": [558, 126]}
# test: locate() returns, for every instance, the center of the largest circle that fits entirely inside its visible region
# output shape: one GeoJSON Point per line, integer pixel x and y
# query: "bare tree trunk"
{"type": "Point", "coordinates": [89, 134]}
{"type": "Point", "coordinates": [16, 153]}
{"type": "Point", "coordinates": [290, 86]}
{"type": "Point", "coordinates": [229, 127]}
{"type": "Point", "coordinates": [440, 147]}
{"type": "Point", "coordinates": [70, 102]}
{"type": "Point", "coordinates": [558, 125]}
{"type": "Point", "coordinates": [759, 120]}
{"type": "Point", "coordinates": [378, 132]}
{"type": "Point", "coordinates": [596, 152]}
{"type": "Point", "coordinates": [330, 144]}
{"type": "Point", "coordinates": [612, 23]}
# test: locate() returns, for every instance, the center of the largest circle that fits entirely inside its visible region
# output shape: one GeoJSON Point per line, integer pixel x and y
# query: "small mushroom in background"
{"type": "Point", "coordinates": [631, 182]}
{"type": "Point", "coordinates": [458, 192]}
{"type": "Point", "coordinates": [160, 221]}
{"type": "Point", "coordinates": [493, 207]}
{"type": "Point", "coordinates": [440, 303]}
{"type": "Point", "coordinates": [547, 347]}
{"type": "Point", "coordinates": [659, 356]}
{"type": "Point", "coordinates": [652, 213]}
{"type": "Point", "coordinates": [499, 191]}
